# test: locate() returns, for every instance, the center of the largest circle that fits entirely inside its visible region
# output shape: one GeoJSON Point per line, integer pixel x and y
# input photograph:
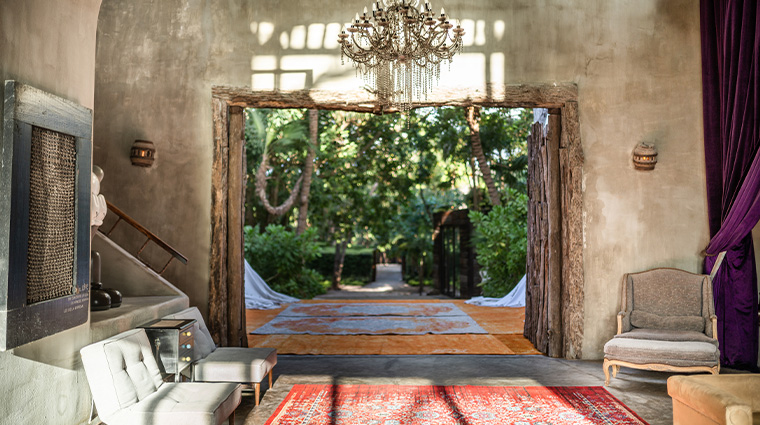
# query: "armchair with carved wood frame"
{"type": "Point", "coordinates": [667, 323]}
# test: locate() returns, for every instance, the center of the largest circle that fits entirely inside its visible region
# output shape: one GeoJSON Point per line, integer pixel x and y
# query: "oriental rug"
{"type": "Point", "coordinates": [450, 405]}
{"type": "Point", "coordinates": [371, 319]}
{"type": "Point", "coordinates": [371, 325]}
{"type": "Point", "coordinates": [372, 309]}
{"type": "Point", "coordinates": [504, 337]}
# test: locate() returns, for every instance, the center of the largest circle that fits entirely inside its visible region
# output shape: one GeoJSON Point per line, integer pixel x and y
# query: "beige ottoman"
{"type": "Point", "coordinates": [715, 399]}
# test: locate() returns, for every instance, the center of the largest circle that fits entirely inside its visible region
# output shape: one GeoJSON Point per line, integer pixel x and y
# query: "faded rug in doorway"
{"type": "Point", "coordinates": [372, 309]}
{"type": "Point", "coordinates": [450, 405]}
{"type": "Point", "coordinates": [370, 325]}
{"type": "Point", "coordinates": [371, 319]}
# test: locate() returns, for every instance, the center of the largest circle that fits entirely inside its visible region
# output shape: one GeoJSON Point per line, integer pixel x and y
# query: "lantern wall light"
{"type": "Point", "coordinates": [143, 153]}
{"type": "Point", "coordinates": [644, 156]}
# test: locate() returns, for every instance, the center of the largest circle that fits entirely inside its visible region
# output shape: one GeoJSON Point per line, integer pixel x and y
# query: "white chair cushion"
{"type": "Point", "coordinates": [186, 403]}
{"type": "Point", "coordinates": [236, 364]}
{"type": "Point", "coordinates": [121, 371]}
{"type": "Point", "coordinates": [203, 344]}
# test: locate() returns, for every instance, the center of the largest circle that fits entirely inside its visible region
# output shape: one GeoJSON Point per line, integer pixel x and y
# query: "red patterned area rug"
{"type": "Point", "coordinates": [450, 405]}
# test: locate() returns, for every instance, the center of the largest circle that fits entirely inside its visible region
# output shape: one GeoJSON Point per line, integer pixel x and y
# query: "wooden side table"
{"type": "Point", "coordinates": [172, 343]}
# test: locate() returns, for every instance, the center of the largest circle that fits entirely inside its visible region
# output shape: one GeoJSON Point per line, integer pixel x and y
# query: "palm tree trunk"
{"type": "Point", "coordinates": [308, 170]}
{"type": "Point", "coordinates": [475, 188]}
{"type": "Point", "coordinates": [472, 114]}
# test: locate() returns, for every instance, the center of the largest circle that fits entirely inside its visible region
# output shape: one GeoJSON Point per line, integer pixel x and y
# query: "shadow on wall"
{"type": "Point", "coordinates": [297, 57]}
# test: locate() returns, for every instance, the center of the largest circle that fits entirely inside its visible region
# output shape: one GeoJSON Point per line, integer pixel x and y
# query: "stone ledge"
{"type": "Point", "coordinates": [133, 312]}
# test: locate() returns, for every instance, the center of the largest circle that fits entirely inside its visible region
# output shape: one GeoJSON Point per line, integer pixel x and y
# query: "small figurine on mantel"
{"type": "Point", "coordinates": [98, 208]}
{"type": "Point", "coordinates": [100, 298]}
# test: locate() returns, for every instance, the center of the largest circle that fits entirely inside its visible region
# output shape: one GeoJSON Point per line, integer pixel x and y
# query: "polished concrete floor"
{"type": "Point", "coordinates": [644, 392]}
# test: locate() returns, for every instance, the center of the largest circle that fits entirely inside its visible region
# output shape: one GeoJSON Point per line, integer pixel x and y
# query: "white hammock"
{"type": "Point", "coordinates": [258, 295]}
{"type": "Point", "coordinates": [515, 298]}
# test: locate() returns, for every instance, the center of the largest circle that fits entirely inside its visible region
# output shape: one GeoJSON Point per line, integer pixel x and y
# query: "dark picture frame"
{"type": "Point", "coordinates": [26, 107]}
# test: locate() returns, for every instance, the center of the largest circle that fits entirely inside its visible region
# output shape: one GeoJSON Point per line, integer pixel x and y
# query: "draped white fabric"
{"type": "Point", "coordinates": [259, 296]}
{"type": "Point", "coordinates": [515, 298]}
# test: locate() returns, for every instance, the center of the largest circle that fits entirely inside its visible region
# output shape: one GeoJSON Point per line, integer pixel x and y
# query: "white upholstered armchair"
{"type": "Point", "coordinates": [127, 388]}
{"type": "Point", "coordinates": [227, 364]}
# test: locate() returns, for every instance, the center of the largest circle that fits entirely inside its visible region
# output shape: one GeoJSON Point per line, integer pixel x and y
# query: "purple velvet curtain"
{"type": "Point", "coordinates": [731, 97]}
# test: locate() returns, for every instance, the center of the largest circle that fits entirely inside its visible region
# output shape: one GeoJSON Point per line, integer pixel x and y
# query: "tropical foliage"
{"type": "Point", "coordinates": [377, 181]}
{"type": "Point", "coordinates": [501, 243]}
{"type": "Point", "coordinates": [280, 256]}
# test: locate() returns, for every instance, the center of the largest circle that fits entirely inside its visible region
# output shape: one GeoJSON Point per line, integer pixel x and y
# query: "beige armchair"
{"type": "Point", "coordinates": [248, 366]}
{"type": "Point", "coordinates": [667, 323]}
{"type": "Point", "coordinates": [127, 388]}
{"type": "Point", "coordinates": [724, 399]}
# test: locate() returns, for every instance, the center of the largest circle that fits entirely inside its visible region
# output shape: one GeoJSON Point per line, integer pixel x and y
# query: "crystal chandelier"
{"type": "Point", "coordinates": [399, 49]}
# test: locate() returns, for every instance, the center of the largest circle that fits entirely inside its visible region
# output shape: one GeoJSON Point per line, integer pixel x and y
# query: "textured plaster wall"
{"type": "Point", "coordinates": [49, 45]}
{"type": "Point", "coordinates": [636, 64]}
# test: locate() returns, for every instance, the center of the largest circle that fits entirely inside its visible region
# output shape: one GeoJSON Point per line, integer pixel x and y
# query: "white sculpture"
{"type": "Point", "coordinates": [98, 208]}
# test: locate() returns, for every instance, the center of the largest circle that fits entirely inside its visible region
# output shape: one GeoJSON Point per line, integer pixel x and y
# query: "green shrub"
{"type": "Point", "coordinates": [353, 281]}
{"type": "Point", "coordinates": [280, 256]}
{"type": "Point", "coordinates": [415, 282]}
{"type": "Point", "coordinates": [357, 266]}
{"type": "Point", "coordinates": [501, 243]}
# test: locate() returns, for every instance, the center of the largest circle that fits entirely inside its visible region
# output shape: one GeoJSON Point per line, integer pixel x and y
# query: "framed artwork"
{"type": "Point", "coordinates": [45, 165]}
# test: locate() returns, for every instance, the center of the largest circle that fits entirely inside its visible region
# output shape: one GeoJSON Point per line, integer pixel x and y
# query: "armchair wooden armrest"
{"type": "Point", "coordinates": [620, 316]}
{"type": "Point", "coordinates": [714, 320]}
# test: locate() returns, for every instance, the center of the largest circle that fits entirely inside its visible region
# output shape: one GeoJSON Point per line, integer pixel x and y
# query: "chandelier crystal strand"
{"type": "Point", "coordinates": [398, 47]}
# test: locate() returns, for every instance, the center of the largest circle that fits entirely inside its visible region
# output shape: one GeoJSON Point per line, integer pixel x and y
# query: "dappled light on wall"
{"type": "Point", "coordinates": [306, 55]}
{"type": "Point", "coordinates": [399, 50]}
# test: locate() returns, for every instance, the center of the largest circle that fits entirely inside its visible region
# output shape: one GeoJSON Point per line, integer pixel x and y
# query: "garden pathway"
{"type": "Point", "coordinates": [388, 284]}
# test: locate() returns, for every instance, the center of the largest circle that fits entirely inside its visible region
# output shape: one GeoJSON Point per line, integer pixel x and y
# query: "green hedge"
{"type": "Point", "coordinates": [357, 265]}
{"type": "Point", "coordinates": [501, 243]}
{"type": "Point", "coordinates": [278, 255]}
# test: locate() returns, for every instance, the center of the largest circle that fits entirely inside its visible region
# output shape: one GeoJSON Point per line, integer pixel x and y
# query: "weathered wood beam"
{"type": "Point", "coordinates": [554, 235]}
{"type": "Point", "coordinates": [236, 332]}
{"type": "Point", "coordinates": [506, 96]}
{"type": "Point", "coordinates": [571, 166]}
{"type": "Point", "coordinates": [217, 303]}
{"type": "Point", "coordinates": [536, 291]}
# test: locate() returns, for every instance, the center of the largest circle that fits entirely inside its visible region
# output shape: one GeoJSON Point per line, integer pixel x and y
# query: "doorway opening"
{"type": "Point", "coordinates": [557, 307]}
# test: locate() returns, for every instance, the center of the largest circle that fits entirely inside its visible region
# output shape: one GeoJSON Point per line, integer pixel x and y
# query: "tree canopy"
{"type": "Point", "coordinates": [378, 179]}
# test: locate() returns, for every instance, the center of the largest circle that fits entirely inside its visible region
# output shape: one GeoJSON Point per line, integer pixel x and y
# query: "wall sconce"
{"type": "Point", "coordinates": [143, 153]}
{"type": "Point", "coordinates": [644, 156]}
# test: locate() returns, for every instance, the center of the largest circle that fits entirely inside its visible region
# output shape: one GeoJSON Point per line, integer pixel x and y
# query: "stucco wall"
{"type": "Point", "coordinates": [636, 64]}
{"type": "Point", "coordinates": [51, 46]}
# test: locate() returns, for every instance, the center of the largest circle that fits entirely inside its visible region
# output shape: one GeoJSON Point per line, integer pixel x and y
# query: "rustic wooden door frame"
{"type": "Point", "coordinates": [226, 308]}
{"type": "Point", "coordinates": [561, 98]}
